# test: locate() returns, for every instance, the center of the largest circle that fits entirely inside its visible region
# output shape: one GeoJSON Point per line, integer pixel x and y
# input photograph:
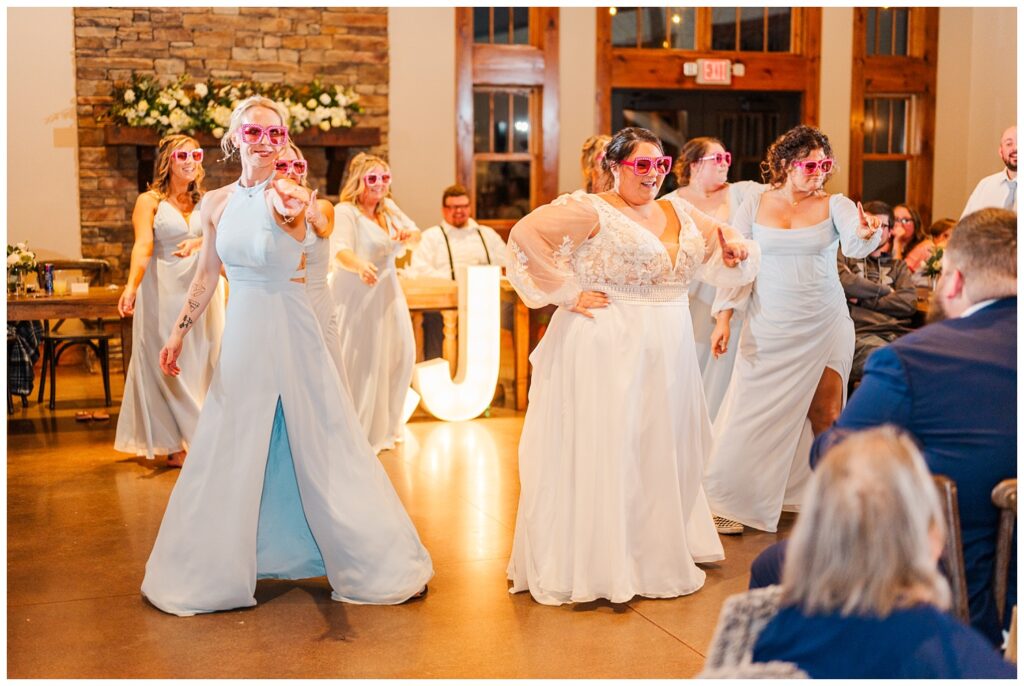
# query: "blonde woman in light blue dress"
{"type": "Point", "coordinates": [280, 482]}
{"type": "Point", "coordinates": [159, 413]}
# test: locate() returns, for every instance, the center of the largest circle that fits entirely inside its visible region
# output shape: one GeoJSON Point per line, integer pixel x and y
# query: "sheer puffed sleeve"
{"type": "Point", "coordinates": [540, 249]}
{"type": "Point", "coordinates": [713, 270]}
{"type": "Point", "coordinates": [736, 297]}
{"type": "Point", "coordinates": [846, 219]}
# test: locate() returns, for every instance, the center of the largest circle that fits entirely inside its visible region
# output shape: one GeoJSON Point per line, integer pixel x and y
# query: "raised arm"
{"type": "Point", "coordinates": [858, 235]}
{"type": "Point", "coordinates": [320, 216]}
{"type": "Point", "coordinates": [142, 250]}
{"type": "Point", "coordinates": [200, 291]}
{"type": "Point", "coordinates": [540, 249]}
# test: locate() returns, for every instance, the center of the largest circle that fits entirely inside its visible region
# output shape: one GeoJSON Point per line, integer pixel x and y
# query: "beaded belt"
{"type": "Point", "coordinates": [656, 293]}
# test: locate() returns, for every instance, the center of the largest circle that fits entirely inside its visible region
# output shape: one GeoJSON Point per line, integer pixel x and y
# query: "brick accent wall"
{"type": "Point", "coordinates": [341, 45]}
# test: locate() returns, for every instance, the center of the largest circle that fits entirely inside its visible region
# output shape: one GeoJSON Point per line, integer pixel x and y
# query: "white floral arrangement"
{"type": "Point", "coordinates": [20, 258]}
{"type": "Point", "coordinates": [179, 107]}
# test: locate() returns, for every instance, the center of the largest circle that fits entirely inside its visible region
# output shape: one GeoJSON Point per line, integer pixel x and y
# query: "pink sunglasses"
{"type": "Point", "coordinates": [372, 179]}
{"type": "Point", "coordinates": [254, 133]}
{"type": "Point", "coordinates": [289, 166]}
{"type": "Point", "coordinates": [811, 166]}
{"type": "Point", "coordinates": [718, 157]}
{"type": "Point", "coordinates": [183, 155]}
{"type": "Point", "coordinates": [642, 165]}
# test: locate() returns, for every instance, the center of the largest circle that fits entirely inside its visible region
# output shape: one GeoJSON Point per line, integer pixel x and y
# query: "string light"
{"type": "Point", "coordinates": [676, 19]}
{"type": "Point", "coordinates": [613, 11]}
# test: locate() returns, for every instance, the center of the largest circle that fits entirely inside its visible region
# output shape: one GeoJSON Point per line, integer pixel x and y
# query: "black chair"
{"type": "Point", "coordinates": [64, 335]}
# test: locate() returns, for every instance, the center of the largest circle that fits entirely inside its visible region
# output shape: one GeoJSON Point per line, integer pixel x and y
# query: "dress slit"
{"type": "Point", "coordinates": [285, 545]}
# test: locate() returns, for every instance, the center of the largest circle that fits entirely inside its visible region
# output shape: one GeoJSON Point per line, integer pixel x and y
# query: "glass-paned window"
{"type": "Point", "coordinates": [723, 28]}
{"type": "Point", "coordinates": [779, 30]}
{"type": "Point", "coordinates": [885, 125]}
{"type": "Point", "coordinates": [501, 25]}
{"type": "Point", "coordinates": [885, 180]}
{"type": "Point", "coordinates": [624, 26]}
{"type": "Point", "coordinates": [503, 166]}
{"type": "Point", "coordinates": [682, 26]}
{"type": "Point", "coordinates": [887, 31]}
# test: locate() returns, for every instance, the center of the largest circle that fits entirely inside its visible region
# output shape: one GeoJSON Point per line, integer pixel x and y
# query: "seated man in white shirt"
{"type": "Point", "coordinates": [458, 240]}
{"type": "Point", "coordinates": [999, 189]}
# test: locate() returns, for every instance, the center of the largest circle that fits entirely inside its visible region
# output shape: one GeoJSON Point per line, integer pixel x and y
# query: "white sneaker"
{"type": "Point", "coordinates": [727, 526]}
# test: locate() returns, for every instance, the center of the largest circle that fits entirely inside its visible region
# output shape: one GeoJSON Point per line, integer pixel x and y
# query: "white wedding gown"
{"type": "Point", "coordinates": [159, 412]}
{"type": "Point", "coordinates": [280, 481]}
{"type": "Point", "coordinates": [797, 324]}
{"type": "Point", "coordinates": [716, 372]}
{"type": "Point", "coordinates": [616, 434]}
{"type": "Point", "coordinates": [378, 349]}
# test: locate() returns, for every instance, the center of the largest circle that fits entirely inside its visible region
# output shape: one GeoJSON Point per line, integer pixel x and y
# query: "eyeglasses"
{"type": "Point", "coordinates": [642, 165]}
{"type": "Point", "coordinates": [254, 133]}
{"type": "Point", "coordinates": [456, 208]}
{"type": "Point", "coordinates": [183, 155]}
{"type": "Point", "coordinates": [905, 220]}
{"type": "Point", "coordinates": [812, 166]}
{"type": "Point", "coordinates": [372, 179]}
{"type": "Point", "coordinates": [718, 157]}
{"type": "Point", "coordinates": [289, 166]}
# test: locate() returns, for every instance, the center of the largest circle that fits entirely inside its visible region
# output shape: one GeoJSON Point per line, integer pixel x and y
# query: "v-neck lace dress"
{"type": "Point", "coordinates": [616, 434]}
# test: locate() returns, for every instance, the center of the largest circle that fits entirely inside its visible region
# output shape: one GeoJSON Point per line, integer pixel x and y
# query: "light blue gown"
{"type": "Point", "coordinates": [280, 481]}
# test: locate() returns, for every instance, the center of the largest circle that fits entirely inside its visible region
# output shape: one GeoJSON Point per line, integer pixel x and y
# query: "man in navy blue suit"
{"type": "Point", "coordinates": [953, 385]}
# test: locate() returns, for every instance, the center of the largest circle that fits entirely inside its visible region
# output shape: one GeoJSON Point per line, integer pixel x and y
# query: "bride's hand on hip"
{"type": "Point", "coordinates": [589, 300]}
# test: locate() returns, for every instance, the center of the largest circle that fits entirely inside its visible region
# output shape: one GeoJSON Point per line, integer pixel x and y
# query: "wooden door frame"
{"type": "Point", "coordinates": [799, 70]}
{"type": "Point", "coordinates": [914, 74]}
{"type": "Point", "coordinates": [533, 66]}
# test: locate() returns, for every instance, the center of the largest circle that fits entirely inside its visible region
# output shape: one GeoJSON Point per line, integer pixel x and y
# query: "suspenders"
{"type": "Point", "coordinates": [448, 245]}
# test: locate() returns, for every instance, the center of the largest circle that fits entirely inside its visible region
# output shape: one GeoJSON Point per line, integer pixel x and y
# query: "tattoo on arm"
{"type": "Point", "coordinates": [192, 305]}
{"type": "Point", "coordinates": [186, 322]}
{"type": "Point", "coordinates": [197, 289]}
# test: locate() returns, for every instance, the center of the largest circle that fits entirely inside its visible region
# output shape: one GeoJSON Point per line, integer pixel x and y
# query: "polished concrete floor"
{"type": "Point", "coordinates": [81, 520]}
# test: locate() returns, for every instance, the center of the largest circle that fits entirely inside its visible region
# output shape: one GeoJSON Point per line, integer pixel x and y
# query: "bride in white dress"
{"type": "Point", "coordinates": [796, 346]}
{"type": "Point", "coordinates": [702, 171]}
{"type": "Point", "coordinates": [159, 413]}
{"type": "Point", "coordinates": [280, 481]}
{"type": "Point", "coordinates": [377, 344]}
{"type": "Point", "coordinates": [616, 434]}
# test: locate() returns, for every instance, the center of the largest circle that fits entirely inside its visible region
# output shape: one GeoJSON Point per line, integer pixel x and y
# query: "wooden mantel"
{"type": "Point", "coordinates": [337, 144]}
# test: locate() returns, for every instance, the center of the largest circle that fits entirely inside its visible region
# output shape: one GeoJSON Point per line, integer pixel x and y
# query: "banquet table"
{"type": "Point", "coordinates": [99, 303]}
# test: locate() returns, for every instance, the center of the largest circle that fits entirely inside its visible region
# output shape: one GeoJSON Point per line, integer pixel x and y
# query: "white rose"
{"type": "Point", "coordinates": [336, 122]}
{"type": "Point", "coordinates": [164, 120]}
{"type": "Point", "coordinates": [142, 107]}
{"type": "Point", "coordinates": [311, 104]}
{"type": "Point", "coordinates": [12, 259]}
{"type": "Point", "coordinates": [201, 90]}
{"type": "Point", "coordinates": [325, 125]}
{"type": "Point", "coordinates": [184, 102]}
{"type": "Point", "coordinates": [325, 98]}
{"type": "Point", "coordinates": [341, 100]}
{"type": "Point", "coordinates": [129, 95]}
{"type": "Point", "coordinates": [218, 132]}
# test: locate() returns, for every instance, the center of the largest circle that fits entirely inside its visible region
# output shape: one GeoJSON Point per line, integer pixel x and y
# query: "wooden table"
{"type": "Point", "coordinates": [435, 294]}
{"type": "Point", "coordinates": [99, 303]}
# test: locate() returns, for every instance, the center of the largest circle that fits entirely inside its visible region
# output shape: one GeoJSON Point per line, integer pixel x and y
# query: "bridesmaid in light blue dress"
{"type": "Point", "coordinates": [280, 482]}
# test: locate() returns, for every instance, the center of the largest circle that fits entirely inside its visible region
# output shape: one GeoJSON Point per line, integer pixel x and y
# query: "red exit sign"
{"type": "Point", "coordinates": [714, 72]}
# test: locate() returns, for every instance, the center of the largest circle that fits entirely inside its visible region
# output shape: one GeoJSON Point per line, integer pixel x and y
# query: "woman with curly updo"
{"type": "Point", "coordinates": [158, 412]}
{"type": "Point", "coordinates": [796, 345]}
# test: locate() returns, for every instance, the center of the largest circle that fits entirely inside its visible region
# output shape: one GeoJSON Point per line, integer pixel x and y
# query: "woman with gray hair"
{"type": "Point", "coordinates": [862, 596]}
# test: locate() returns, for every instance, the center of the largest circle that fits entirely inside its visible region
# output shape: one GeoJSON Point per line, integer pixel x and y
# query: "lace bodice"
{"type": "Point", "coordinates": [553, 256]}
{"type": "Point", "coordinates": [624, 253]}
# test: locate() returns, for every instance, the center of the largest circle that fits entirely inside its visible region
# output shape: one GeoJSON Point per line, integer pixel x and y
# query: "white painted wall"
{"type": "Point", "coordinates": [836, 82]}
{"type": "Point", "coordinates": [577, 65]}
{"type": "Point", "coordinates": [422, 108]}
{"type": "Point", "coordinates": [42, 139]}
{"type": "Point", "coordinates": [977, 99]}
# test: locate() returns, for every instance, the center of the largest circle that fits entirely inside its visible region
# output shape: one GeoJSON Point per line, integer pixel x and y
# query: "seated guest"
{"type": "Point", "coordinates": [457, 241]}
{"type": "Point", "coordinates": [953, 385]}
{"type": "Point", "coordinates": [881, 294]}
{"type": "Point", "coordinates": [936, 237]}
{"type": "Point", "coordinates": [856, 604]}
{"type": "Point", "coordinates": [907, 230]}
